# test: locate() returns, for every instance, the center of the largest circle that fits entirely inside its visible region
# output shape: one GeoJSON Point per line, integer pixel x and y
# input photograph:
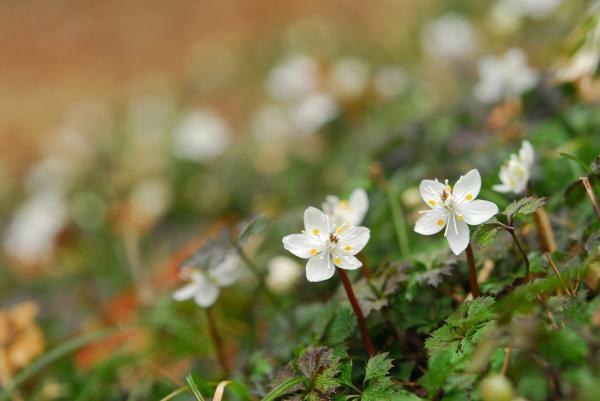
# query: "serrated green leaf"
{"type": "Point", "coordinates": [346, 374]}
{"type": "Point", "coordinates": [378, 367]}
{"type": "Point", "coordinates": [525, 205]}
{"type": "Point", "coordinates": [485, 234]}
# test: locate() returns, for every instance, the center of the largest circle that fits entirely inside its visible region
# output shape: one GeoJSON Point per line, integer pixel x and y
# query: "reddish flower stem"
{"type": "Point", "coordinates": [217, 341]}
{"type": "Point", "coordinates": [472, 272]}
{"type": "Point", "coordinates": [362, 324]}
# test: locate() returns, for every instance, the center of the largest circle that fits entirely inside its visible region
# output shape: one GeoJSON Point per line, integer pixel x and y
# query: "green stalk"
{"type": "Point", "coordinates": [399, 221]}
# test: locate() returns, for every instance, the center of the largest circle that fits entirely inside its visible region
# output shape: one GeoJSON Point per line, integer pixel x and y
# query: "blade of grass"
{"type": "Point", "coordinates": [194, 388]}
{"type": "Point", "coordinates": [51, 356]}
{"type": "Point", "coordinates": [175, 393]}
{"type": "Point", "coordinates": [282, 388]}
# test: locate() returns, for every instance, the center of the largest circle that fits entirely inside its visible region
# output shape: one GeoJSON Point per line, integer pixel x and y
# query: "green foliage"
{"type": "Point", "coordinates": [524, 206]}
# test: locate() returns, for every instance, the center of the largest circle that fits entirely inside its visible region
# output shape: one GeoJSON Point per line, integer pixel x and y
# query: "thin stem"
{"type": "Point", "coordinates": [217, 341]}
{"type": "Point", "coordinates": [472, 272]}
{"type": "Point", "coordinates": [261, 278]}
{"type": "Point", "coordinates": [569, 290]}
{"type": "Point", "coordinates": [399, 221]}
{"type": "Point", "coordinates": [544, 230]}
{"type": "Point", "coordinates": [362, 324]}
{"type": "Point", "coordinates": [511, 230]}
{"type": "Point", "coordinates": [590, 193]}
{"type": "Point", "coordinates": [131, 242]}
{"type": "Point", "coordinates": [506, 362]}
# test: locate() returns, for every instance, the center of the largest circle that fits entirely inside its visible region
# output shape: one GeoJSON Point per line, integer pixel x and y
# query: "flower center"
{"type": "Point", "coordinates": [333, 239]}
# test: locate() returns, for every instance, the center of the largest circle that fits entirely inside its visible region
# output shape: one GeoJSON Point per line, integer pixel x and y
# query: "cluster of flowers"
{"type": "Point", "coordinates": [332, 237]}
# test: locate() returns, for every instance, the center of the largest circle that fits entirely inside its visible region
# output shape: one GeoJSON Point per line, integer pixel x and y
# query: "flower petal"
{"type": "Point", "coordinates": [431, 192]}
{"type": "Point", "coordinates": [359, 201]}
{"type": "Point", "coordinates": [477, 211]}
{"type": "Point", "coordinates": [207, 295]}
{"type": "Point", "coordinates": [319, 268]}
{"type": "Point", "coordinates": [355, 238]}
{"type": "Point", "coordinates": [302, 245]}
{"type": "Point", "coordinates": [467, 187]}
{"type": "Point", "coordinates": [316, 223]}
{"type": "Point", "coordinates": [432, 222]}
{"type": "Point", "coordinates": [186, 292]}
{"type": "Point", "coordinates": [227, 272]}
{"type": "Point", "coordinates": [457, 234]}
{"type": "Point", "coordinates": [502, 188]}
{"type": "Point", "coordinates": [526, 153]}
{"type": "Point", "coordinates": [347, 262]}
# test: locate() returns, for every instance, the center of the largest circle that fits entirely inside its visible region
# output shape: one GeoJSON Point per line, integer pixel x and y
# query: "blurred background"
{"type": "Point", "coordinates": [131, 131]}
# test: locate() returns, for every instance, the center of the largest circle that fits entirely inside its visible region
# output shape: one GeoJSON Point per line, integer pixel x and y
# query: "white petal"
{"type": "Point", "coordinates": [467, 187]}
{"type": "Point", "coordinates": [316, 223]}
{"type": "Point", "coordinates": [431, 192]}
{"type": "Point", "coordinates": [227, 272]}
{"type": "Point", "coordinates": [526, 153]}
{"type": "Point", "coordinates": [359, 201]}
{"type": "Point", "coordinates": [319, 268]}
{"type": "Point", "coordinates": [347, 262]}
{"type": "Point", "coordinates": [302, 245]}
{"type": "Point", "coordinates": [432, 222]}
{"type": "Point", "coordinates": [502, 188]}
{"type": "Point", "coordinates": [186, 292]}
{"type": "Point", "coordinates": [207, 295]}
{"type": "Point", "coordinates": [457, 234]}
{"type": "Point", "coordinates": [355, 238]}
{"type": "Point", "coordinates": [477, 211]}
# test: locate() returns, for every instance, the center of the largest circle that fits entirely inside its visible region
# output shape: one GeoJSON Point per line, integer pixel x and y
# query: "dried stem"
{"type": "Point", "coordinates": [506, 362]}
{"type": "Point", "coordinates": [544, 230]}
{"type": "Point", "coordinates": [362, 324]}
{"type": "Point", "coordinates": [567, 288]}
{"type": "Point", "coordinates": [472, 272]}
{"type": "Point", "coordinates": [590, 192]}
{"type": "Point", "coordinates": [366, 270]}
{"type": "Point", "coordinates": [217, 341]}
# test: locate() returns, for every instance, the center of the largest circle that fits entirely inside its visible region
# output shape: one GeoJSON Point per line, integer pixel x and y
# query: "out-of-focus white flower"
{"type": "Point", "coordinates": [295, 78]}
{"type": "Point", "coordinates": [351, 211]}
{"type": "Point", "coordinates": [326, 246]}
{"type": "Point", "coordinates": [349, 77]}
{"type": "Point", "coordinates": [505, 77]}
{"type": "Point", "coordinates": [33, 231]}
{"type": "Point", "coordinates": [536, 9]}
{"type": "Point", "coordinates": [450, 36]}
{"type": "Point", "coordinates": [515, 173]}
{"type": "Point", "coordinates": [582, 65]}
{"type": "Point", "coordinates": [314, 111]}
{"type": "Point", "coordinates": [283, 273]}
{"type": "Point", "coordinates": [204, 284]}
{"type": "Point", "coordinates": [454, 208]}
{"type": "Point", "coordinates": [150, 198]}
{"type": "Point", "coordinates": [272, 122]}
{"type": "Point", "coordinates": [201, 136]}
{"type": "Point", "coordinates": [390, 81]}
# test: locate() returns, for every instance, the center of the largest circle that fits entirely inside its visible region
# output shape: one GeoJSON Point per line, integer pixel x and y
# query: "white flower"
{"type": "Point", "coordinates": [537, 9]}
{"type": "Point", "coordinates": [454, 208]}
{"type": "Point", "coordinates": [295, 78]}
{"type": "Point", "coordinates": [582, 65]}
{"type": "Point", "coordinates": [326, 246]}
{"type": "Point", "coordinates": [505, 77]}
{"type": "Point", "coordinates": [515, 173]}
{"type": "Point", "coordinates": [350, 77]}
{"type": "Point", "coordinates": [272, 122]}
{"type": "Point", "coordinates": [283, 273]}
{"type": "Point", "coordinates": [205, 285]}
{"type": "Point", "coordinates": [390, 81]}
{"type": "Point", "coordinates": [351, 211]}
{"type": "Point", "coordinates": [33, 231]}
{"type": "Point", "coordinates": [314, 111]}
{"type": "Point", "coordinates": [201, 136]}
{"type": "Point", "coordinates": [450, 36]}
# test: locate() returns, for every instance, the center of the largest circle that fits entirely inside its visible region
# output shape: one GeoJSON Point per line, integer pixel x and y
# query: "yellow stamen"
{"type": "Point", "coordinates": [313, 251]}
{"type": "Point", "coordinates": [440, 222]}
{"type": "Point", "coordinates": [337, 261]}
{"type": "Point", "coordinates": [459, 218]}
{"type": "Point", "coordinates": [431, 202]}
{"type": "Point", "coordinates": [469, 196]}
{"type": "Point", "coordinates": [316, 231]}
{"type": "Point", "coordinates": [448, 188]}
{"type": "Point", "coordinates": [347, 248]}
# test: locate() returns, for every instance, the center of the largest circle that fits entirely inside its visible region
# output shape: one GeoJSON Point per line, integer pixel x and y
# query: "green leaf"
{"type": "Point", "coordinates": [525, 205]}
{"type": "Point", "coordinates": [282, 388]}
{"type": "Point", "coordinates": [485, 234]}
{"type": "Point", "coordinates": [346, 374]}
{"type": "Point", "coordinates": [577, 160]}
{"type": "Point", "coordinates": [378, 367]}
